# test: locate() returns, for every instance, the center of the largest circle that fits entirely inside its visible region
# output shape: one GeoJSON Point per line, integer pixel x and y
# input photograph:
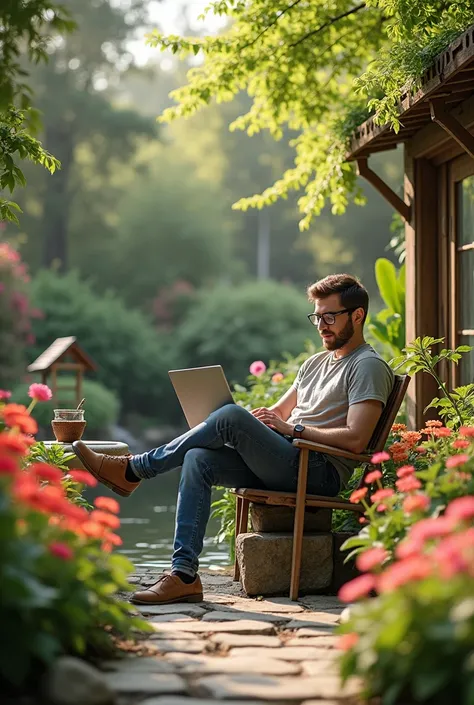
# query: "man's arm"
{"type": "Point", "coordinates": [282, 408]}
{"type": "Point", "coordinates": [354, 436]}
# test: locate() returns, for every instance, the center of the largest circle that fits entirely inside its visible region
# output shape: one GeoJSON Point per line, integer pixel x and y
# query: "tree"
{"type": "Point", "coordinates": [301, 62]}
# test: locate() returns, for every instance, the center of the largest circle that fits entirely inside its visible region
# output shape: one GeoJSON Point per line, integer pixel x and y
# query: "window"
{"type": "Point", "coordinates": [465, 275]}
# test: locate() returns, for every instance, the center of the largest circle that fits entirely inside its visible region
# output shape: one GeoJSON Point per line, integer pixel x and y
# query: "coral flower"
{"type": "Point", "coordinates": [83, 477]}
{"type": "Point", "coordinates": [411, 437]}
{"type": "Point", "coordinates": [12, 443]}
{"type": "Point", "coordinates": [379, 457]}
{"type": "Point", "coordinates": [427, 529]}
{"type": "Point", "coordinates": [113, 539]}
{"type": "Point", "coordinates": [357, 495]}
{"type": "Point", "coordinates": [372, 477]}
{"type": "Point", "coordinates": [108, 504]}
{"type": "Point", "coordinates": [442, 432]}
{"type": "Point", "coordinates": [46, 472]}
{"type": "Point", "coordinates": [467, 431]}
{"type": "Point", "coordinates": [460, 443]}
{"type": "Point", "coordinates": [277, 377]}
{"type": "Point", "coordinates": [4, 394]}
{"type": "Point", "coordinates": [61, 550]}
{"type": "Point", "coordinates": [8, 466]}
{"type": "Point", "coordinates": [347, 641]}
{"type": "Point", "coordinates": [373, 558]}
{"type": "Point", "coordinates": [433, 423]}
{"type": "Point", "coordinates": [40, 392]}
{"type": "Point", "coordinates": [380, 495]}
{"type": "Point", "coordinates": [416, 503]}
{"type": "Point", "coordinates": [105, 518]}
{"type": "Point", "coordinates": [92, 529]}
{"type": "Point", "coordinates": [398, 427]}
{"type": "Point", "coordinates": [357, 589]}
{"type": "Point", "coordinates": [408, 484]}
{"type": "Point", "coordinates": [257, 368]}
{"type": "Point", "coordinates": [421, 449]}
{"type": "Point", "coordinates": [461, 508]}
{"type": "Point", "coordinates": [406, 571]}
{"type": "Point", "coordinates": [456, 460]}
{"type": "Point", "coordinates": [405, 471]}
{"type": "Point", "coordinates": [22, 421]}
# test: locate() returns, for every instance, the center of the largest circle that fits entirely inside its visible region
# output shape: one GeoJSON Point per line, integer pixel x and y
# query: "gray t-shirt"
{"type": "Point", "coordinates": [326, 387]}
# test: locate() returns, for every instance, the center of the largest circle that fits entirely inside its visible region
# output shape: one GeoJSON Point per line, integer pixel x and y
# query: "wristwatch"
{"type": "Point", "coordinates": [298, 430]}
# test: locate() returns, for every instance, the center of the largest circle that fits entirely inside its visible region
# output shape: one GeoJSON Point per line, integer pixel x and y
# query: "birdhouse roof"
{"type": "Point", "coordinates": [59, 349]}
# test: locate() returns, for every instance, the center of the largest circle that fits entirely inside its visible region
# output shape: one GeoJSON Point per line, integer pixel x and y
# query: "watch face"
{"type": "Point", "coordinates": [299, 427]}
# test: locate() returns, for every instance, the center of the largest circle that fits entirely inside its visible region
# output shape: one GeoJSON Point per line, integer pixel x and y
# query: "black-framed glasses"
{"type": "Point", "coordinates": [329, 318]}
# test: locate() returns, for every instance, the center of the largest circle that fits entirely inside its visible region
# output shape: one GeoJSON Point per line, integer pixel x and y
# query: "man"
{"type": "Point", "coordinates": [336, 399]}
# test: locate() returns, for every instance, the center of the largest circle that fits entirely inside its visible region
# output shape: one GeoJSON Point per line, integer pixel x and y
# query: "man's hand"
{"type": "Point", "coordinates": [273, 420]}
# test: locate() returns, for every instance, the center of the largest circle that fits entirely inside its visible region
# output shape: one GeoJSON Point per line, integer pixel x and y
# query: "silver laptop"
{"type": "Point", "coordinates": [200, 390]}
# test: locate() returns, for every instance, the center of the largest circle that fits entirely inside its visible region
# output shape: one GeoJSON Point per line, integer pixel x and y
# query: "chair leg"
{"type": "Point", "coordinates": [242, 529]}
{"type": "Point", "coordinates": [238, 513]}
{"type": "Point", "coordinates": [299, 524]}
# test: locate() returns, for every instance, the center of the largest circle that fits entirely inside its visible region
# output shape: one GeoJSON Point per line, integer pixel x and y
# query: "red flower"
{"type": "Point", "coordinates": [441, 432]}
{"type": "Point", "coordinates": [83, 477]}
{"type": "Point", "coordinates": [108, 504]}
{"type": "Point", "coordinates": [421, 449]}
{"type": "Point", "coordinates": [408, 484]}
{"type": "Point", "coordinates": [4, 394]}
{"type": "Point", "coordinates": [357, 588]}
{"type": "Point", "coordinates": [8, 466]}
{"type": "Point", "coordinates": [105, 518]}
{"type": "Point", "coordinates": [456, 460]}
{"type": "Point", "coordinates": [46, 472]}
{"type": "Point", "coordinates": [379, 457]}
{"type": "Point", "coordinates": [20, 420]}
{"type": "Point", "coordinates": [460, 443]}
{"type": "Point", "coordinates": [416, 503]}
{"type": "Point", "coordinates": [61, 550]}
{"type": "Point", "coordinates": [373, 558]}
{"type": "Point", "coordinates": [113, 539]}
{"type": "Point", "coordinates": [347, 641]}
{"type": "Point", "coordinates": [40, 392]}
{"type": "Point", "coordinates": [372, 477]}
{"type": "Point", "coordinates": [467, 431]}
{"type": "Point", "coordinates": [405, 471]}
{"type": "Point", "coordinates": [357, 495]}
{"type": "Point", "coordinates": [12, 443]}
{"type": "Point", "coordinates": [461, 508]}
{"type": "Point", "coordinates": [380, 495]}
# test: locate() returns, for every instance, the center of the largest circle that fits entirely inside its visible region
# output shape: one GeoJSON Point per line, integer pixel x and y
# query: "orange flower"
{"type": "Point", "coordinates": [12, 443]}
{"type": "Point", "coordinates": [83, 477]}
{"type": "Point", "coordinates": [21, 421]}
{"type": "Point", "coordinates": [416, 503]}
{"type": "Point", "coordinates": [113, 539]}
{"type": "Point", "coordinates": [108, 504]}
{"type": "Point", "coordinates": [43, 471]}
{"type": "Point", "coordinates": [92, 529]}
{"type": "Point", "coordinates": [442, 432]}
{"type": "Point", "coordinates": [347, 641]}
{"type": "Point", "coordinates": [411, 438]}
{"type": "Point", "coordinates": [398, 427]}
{"type": "Point", "coordinates": [357, 495]}
{"type": "Point", "coordinates": [433, 423]}
{"type": "Point", "coordinates": [105, 518]}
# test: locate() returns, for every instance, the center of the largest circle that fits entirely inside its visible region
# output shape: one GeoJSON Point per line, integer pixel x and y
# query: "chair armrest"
{"type": "Point", "coordinates": [330, 450]}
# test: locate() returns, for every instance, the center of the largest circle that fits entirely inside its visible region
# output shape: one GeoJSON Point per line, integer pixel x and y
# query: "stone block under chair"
{"type": "Point", "coordinates": [265, 562]}
{"type": "Point", "coordinates": [265, 517]}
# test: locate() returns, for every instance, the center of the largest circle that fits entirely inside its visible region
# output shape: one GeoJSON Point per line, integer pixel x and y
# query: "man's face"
{"type": "Point", "coordinates": [341, 331]}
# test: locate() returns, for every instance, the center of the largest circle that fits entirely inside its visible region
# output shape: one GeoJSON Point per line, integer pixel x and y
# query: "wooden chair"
{"type": "Point", "coordinates": [300, 499]}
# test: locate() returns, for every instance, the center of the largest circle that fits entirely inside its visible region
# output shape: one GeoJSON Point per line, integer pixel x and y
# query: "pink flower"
{"type": "Point", "coordinates": [372, 477]}
{"type": "Point", "coordinates": [460, 443]}
{"type": "Point", "coordinates": [442, 432]}
{"type": "Point", "coordinates": [405, 471]}
{"type": "Point", "coordinates": [357, 495]}
{"type": "Point", "coordinates": [456, 460]}
{"type": "Point", "coordinates": [461, 508]}
{"type": "Point", "coordinates": [357, 588]}
{"type": "Point", "coordinates": [467, 431]}
{"type": "Point", "coordinates": [371, 559]}
{"type": "Point", "coordinates": [257, 368]}
{"type": "Point", "coordinates": [416, 503]}
{"type": "Point", "coordinates": [347, 641]}
{"type": "Point", "coordinates": [4, 394]}
{"type": "Point", "coordinates": [61, 550]}
{"type": "Point", "coordinates": [277, 377]}
{"type": "Point", "coordinates": [427, 529]}
{"type": "Point", "coordinates": [380, 495]}
{"type": "Point", "coordinates": [83, 477]}
{"type": "Point", "coordinates": [406, 571]}
{"type": "Point", "coordinates": [379, 457]}
{"type": "Point", "coordinates": [408, 484]}
{"type": "Point", "coordinates": [40, 392]}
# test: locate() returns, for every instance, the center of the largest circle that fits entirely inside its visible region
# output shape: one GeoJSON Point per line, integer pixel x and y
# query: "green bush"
{"type": "Point", "coordinates": [233, 327]}
{"type": "Point", "coordinates": [132, 358]}
{"type": "Point", "coordinates": [101, 406]}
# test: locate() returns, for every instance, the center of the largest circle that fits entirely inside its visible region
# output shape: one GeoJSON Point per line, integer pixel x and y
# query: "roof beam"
{"type": "Point", "coordinates": [451, 125]}
{"type": "Point", "coordinates": [384, 189]}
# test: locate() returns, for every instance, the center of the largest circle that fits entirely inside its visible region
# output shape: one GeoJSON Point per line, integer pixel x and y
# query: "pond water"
{"type": "Point", "coordinates": [147, 524]}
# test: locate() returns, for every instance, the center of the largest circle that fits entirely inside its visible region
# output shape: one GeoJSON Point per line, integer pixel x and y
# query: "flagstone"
{"type": "Point", "coordinates": [321, 642]}
{"type": "Point", "coordinates": [203, 664]}
{"type": "Point", "coordinates": [188, 646]}
{"type": "Point", "coordinates": [241, 626]}
{"type": "Point", "coordinates": [179, 608]}
{"type": "Point", "coordinates": [172, 700]}
{"type": "Point", "coordinates": [321, 667]}
{"type": "Point", "coordinates": [171, 634]}
{"type": "Point", "coordinates": [142, 682]}
{"type": "Point", "coordinates": [269, 687]}
{"type": "Point", "coordinates": [241, 640]}
{"type": "Point", "coordinates": [177, 617]}
{"type": "Point", "coordinates": [236, 615]}
{"type": "Point", "coordinates": [309, 619]}
{"type": "Point", "coordinates": [285, 653]}
{"type": "Point", "coordinates": [280, 605]}
{"type": "Point", "coordinates": [135, 664]}
{"type": "Point", "coordinates": [308, 632]}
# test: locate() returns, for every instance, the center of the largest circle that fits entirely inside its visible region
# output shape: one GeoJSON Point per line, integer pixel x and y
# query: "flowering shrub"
{"type": "Point", "coordinates": [58, 577]}
{"type": "Point", "coordinates": [414, 641]}
{"type": "Point", "coordinates": [15, 314]}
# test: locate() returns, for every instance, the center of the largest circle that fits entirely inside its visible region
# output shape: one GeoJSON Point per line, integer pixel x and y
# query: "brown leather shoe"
{"type": "Point", "coordinates": [108, 469]}
{"type": "Point", "coordinates": [168, 589]}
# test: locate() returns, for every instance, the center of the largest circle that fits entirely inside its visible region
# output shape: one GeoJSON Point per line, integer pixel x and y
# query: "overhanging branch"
{"type": "Point", "coordinates": [330, 22]}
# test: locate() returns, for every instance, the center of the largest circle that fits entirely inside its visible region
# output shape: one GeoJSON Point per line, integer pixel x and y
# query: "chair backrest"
{"type": "Point", "coordinates": [380, 434]}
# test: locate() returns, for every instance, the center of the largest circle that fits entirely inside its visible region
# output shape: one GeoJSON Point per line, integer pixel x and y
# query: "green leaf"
{"type": "Point", "coordinates": [386, 276]}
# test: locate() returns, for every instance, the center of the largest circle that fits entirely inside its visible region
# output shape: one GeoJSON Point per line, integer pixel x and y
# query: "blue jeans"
{"type": "Point", "coordinates": [258, 458]}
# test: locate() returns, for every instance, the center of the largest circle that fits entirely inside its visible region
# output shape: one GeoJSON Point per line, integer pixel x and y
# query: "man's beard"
{"type": "Point", "coordinates": [341, 338]}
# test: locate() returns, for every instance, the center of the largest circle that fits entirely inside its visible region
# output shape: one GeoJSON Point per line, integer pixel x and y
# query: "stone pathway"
{"type": "Point", "coordinates": [231, 649]}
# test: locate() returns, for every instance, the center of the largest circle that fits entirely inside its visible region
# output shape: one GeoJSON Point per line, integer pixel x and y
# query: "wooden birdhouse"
{"type": "Point", "coordinates": [63, 356]}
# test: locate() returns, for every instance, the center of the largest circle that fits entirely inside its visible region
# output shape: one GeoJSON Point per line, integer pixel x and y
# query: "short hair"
{"type": "Point", "coordinates": [349, 288]}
